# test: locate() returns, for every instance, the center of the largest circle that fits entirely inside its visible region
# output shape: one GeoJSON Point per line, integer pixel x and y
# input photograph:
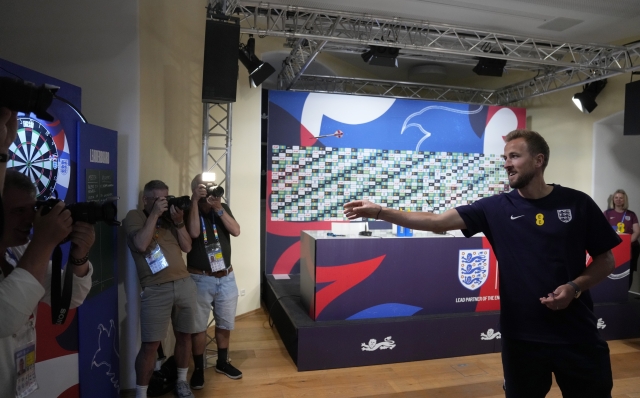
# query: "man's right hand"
{"type": "Point", "coordinates": [160, 206]}
{"type": "Point", "coordinates": [361, 208]}
{"type": "Point", "coordinates": [53, 227]}
{"type": "Point", "coordinates": [199, 192]}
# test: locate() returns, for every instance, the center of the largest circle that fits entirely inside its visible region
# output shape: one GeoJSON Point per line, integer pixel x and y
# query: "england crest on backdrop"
{"type": "Point", "coordinates": [473, 267]}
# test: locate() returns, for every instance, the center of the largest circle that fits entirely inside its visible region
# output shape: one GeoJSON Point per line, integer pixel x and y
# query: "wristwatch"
{"type": "Point", "coordinates": [220, 212]}
{"type": "Point", "coordinates": [576, 288]}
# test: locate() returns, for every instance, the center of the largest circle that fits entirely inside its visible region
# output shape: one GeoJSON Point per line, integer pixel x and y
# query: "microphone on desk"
{"type": "Point", "coordinates": [366, 231]}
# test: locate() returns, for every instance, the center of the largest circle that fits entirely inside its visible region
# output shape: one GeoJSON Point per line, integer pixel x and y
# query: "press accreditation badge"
{"type": "Point", "coordinates": [214, 253]}
{"type": "Point", "coordinates": [25, 362]}
{"type": "Point", "coordinates": [156, 260]}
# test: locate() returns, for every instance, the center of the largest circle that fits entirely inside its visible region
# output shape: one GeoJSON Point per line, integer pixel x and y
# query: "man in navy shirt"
{"type": "Point", "coordinates": [539, 234]}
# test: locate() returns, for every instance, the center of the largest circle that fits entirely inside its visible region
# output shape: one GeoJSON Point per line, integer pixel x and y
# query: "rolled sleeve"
{"type": "Point", "coordinates": [80, 288]}
{"type": "Point", "coordinates": [20, 293]}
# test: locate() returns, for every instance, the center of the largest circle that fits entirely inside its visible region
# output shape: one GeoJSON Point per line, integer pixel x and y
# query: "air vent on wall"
{"type": "Point", "coordinates": [559, 24]}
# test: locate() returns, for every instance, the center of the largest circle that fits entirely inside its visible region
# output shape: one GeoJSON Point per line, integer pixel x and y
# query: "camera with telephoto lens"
{"type": "Point", "coordinates": [214, 190]}
{"type": "Point", "coordinates": [182, 202]}
{"type": "Point", "coordinates": [89, 212]}
{"type": "Point", "coordinates": [26, 97]}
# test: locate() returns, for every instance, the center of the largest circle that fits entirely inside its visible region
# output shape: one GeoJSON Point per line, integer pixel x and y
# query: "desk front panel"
{"type": "Point", "coordinates": [363, 278]}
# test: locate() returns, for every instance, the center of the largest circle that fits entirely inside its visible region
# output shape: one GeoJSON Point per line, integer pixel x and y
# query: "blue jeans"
{"type": "Point", "coordinates": [222, 294]}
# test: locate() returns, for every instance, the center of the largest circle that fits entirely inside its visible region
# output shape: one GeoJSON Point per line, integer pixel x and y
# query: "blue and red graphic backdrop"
{"type": "Point", "coordinates": [99, 360]}
{"type": "Point", "coordinates": [57, 345]}
{"type": "Point", "coordinates": [327, 149]}
{"type": "Point", "coordinates": [79, 357]}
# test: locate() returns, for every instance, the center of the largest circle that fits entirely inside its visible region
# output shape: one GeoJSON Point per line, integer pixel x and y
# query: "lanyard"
{"type": "Point", "coordinates": [204, 231]}
{"type": "Point", "coordinates": [13, 256]}
{"type": "Point", "coordinates": [625, 213]}
{"type": "Point", "coordinates": [60, 300]}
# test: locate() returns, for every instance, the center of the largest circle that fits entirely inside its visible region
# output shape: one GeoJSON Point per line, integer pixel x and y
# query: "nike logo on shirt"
{"type": "Point", "coordinates": [514, 218]}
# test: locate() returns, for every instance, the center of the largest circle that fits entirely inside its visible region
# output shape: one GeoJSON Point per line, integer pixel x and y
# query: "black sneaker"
{"type": "Point", "coordinates": [197, 379]}
{"type": "Point", "coordinates": [229, 370]}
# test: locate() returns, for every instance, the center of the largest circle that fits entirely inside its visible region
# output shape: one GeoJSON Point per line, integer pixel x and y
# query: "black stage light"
{"type": "Point", "coordinates": [258, 71]}
{"type": "Point", "coordinates": [381, 56]}
{"type": "Point", "coordinates": [632, 108]}
{"type": "Point", "coordinates": [490, 67]}
{"type": "Point", "coordinates": [586, 100]}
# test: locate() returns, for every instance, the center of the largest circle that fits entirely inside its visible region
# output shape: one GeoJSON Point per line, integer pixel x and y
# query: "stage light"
{"type": "Point", "coordinates": [586, 100]}
{"type": "Point", "coordinates": [490, 67]}
{"type": "Point", "coordinates": [381, 56]}
{"type": "Point", "coordinates": [258, 71]}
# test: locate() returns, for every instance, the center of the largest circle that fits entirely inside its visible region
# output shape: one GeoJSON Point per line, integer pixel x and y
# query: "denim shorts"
{"type": "Point", "coordinates": [219, 293]}
{"type": "Point", "coordinates": [173, 301]}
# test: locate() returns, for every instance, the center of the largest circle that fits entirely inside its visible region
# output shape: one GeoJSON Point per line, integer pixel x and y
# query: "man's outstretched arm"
{"type": "Point", "coordinates": [425, 221]}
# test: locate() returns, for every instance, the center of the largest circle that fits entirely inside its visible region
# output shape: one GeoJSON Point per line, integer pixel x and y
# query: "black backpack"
{"type": "Point", "coordinates": [163, 380]}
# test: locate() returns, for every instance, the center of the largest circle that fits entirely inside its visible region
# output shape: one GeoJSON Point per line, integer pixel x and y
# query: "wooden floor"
{"type": "Point", "coordinates": [256, 349]}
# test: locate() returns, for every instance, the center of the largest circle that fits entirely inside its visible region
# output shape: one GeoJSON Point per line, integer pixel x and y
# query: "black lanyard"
{"type": "Point", "coordinates": [60, 301]}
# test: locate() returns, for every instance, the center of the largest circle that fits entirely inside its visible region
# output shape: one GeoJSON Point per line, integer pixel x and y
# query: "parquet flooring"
{"type": "Point", "coordinates": [269, 372]}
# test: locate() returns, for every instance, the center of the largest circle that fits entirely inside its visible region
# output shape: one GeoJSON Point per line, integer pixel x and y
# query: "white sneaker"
{"type": "Point", "coordinates": [182, 390]}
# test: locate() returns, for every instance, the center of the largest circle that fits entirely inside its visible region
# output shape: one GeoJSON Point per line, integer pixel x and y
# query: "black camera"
{"type": "Point", "coordinates": [214, 190]}
{"type": "Point", "coordinates": [23, 96]}
{"type": "Point", "coordinates": [89, 212]}
{"type": "Point", "coordinates": [182, 202]}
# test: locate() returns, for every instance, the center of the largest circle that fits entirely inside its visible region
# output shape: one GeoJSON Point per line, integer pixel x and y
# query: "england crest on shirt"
{"type": "Point", "coordinates": [473, 267]}
{"type": "Point", "coordinates": [564, 215]}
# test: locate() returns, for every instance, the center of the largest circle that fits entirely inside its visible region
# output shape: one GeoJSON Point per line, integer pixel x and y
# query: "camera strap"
{"type": "Point", "coordinates": [60, 300]}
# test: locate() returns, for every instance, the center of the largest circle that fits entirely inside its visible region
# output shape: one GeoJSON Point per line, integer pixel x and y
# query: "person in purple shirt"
{"type": "Point", "coordinates": [625, 221]}
{"type": "Point", "coordinates": [539, 234]}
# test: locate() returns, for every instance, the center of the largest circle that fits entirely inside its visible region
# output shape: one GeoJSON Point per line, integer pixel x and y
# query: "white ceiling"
{"type": "Point", "coordinates": [573, 21]}
{"type": "Point", "coordinates": [596, 21]}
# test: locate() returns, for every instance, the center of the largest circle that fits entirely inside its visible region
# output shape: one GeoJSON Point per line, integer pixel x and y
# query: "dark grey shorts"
{"type": "Point", "coordinates": [175, 301]}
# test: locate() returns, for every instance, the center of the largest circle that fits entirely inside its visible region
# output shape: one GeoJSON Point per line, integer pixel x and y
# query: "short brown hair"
{"type": "Point", "coordinates": [197, 180]}
{"type": "Point", "coordinates": [535, 143]}
{"type": "Point", "coordinates": [16, 180]}
{"type": "Point", "coordinates": [154, 184]}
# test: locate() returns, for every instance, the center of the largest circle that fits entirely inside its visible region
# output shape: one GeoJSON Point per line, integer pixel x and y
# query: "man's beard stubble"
{"type": "Point", "coordinates": [522, 181]}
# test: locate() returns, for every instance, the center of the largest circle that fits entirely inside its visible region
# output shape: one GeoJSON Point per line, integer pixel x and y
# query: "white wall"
{"type": "Point", "coordinates": [616, 165]}
{"type": "Point", "coordinates": [616, 162]}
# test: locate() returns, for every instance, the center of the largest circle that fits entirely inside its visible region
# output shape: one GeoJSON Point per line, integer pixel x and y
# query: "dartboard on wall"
{"type": "Point", "coordinates": [41, 152]}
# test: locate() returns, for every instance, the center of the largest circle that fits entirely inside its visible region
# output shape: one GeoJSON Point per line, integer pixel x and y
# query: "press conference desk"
{"type": "Point", "coordinates": [359, 277]}
{"type": "Point", "coordinates": [415, 296]}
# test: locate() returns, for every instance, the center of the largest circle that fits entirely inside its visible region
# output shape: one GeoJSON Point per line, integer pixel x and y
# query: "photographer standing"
{"type": "Point", "coordinates": [210, 266]}
{"type": "Point", "coordinates": [26, 275]}
{"type": "Point", "coordinates": [157, 237]}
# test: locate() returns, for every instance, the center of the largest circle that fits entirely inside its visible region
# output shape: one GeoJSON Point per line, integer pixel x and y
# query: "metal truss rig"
{"type": "Point", "coordinates": [559, 65]}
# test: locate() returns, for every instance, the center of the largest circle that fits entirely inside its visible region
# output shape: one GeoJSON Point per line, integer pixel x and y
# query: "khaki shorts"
{"type": "Point", "coordinates": [175, 301]}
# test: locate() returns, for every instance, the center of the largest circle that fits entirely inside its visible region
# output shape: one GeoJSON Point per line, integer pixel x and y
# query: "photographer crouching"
{"type": "Point", "coordinates": [27, 274]}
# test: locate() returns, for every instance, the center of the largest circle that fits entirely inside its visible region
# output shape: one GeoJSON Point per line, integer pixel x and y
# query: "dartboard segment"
{"type": "Point", "coordinates": [35, 154]}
